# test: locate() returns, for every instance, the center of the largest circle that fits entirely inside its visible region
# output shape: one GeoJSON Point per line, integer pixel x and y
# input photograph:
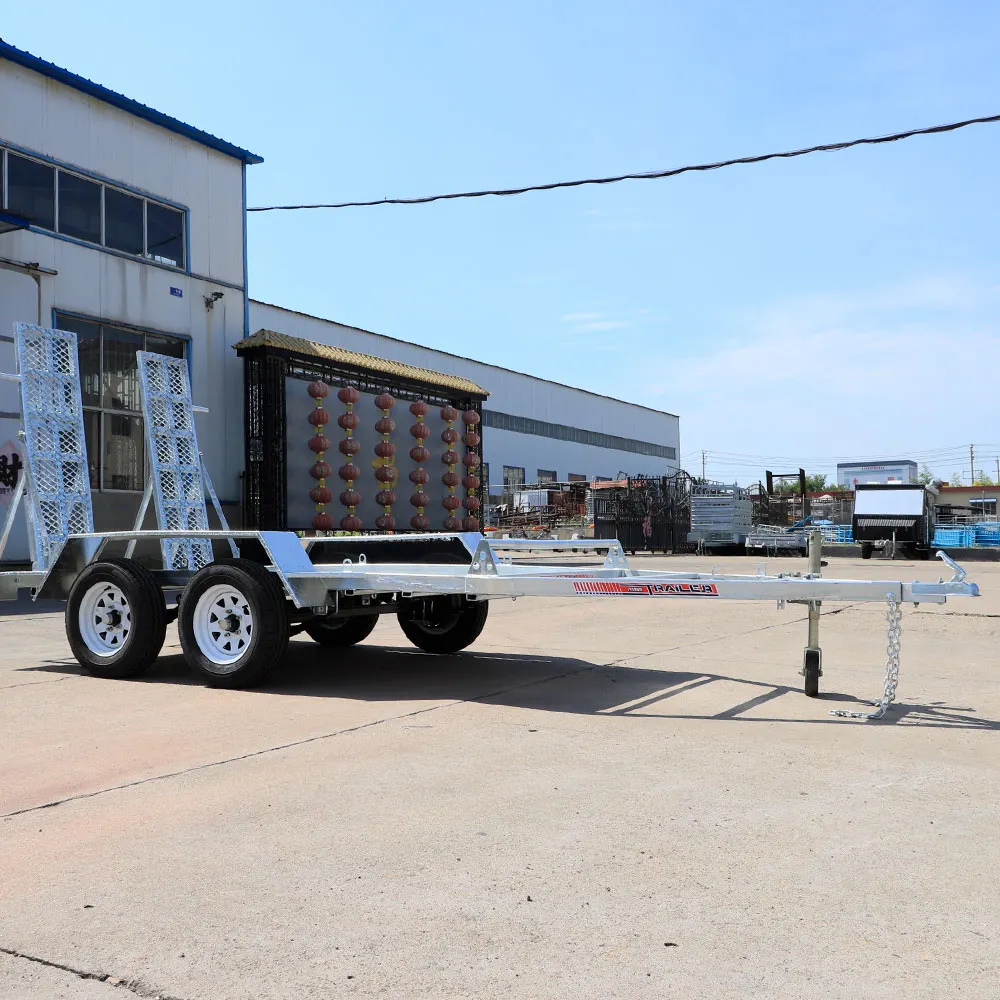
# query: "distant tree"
{"type": "Point", "coordinates": [813, 484]}
{"type": "Point", "coordinates": [982, 479]}
{"type": "Point", "coordinates": [956, 479]}
{"type": "Point", "coordinates": [925, 476]}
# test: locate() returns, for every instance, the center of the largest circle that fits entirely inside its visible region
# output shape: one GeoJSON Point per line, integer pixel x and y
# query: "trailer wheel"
{"type": "Point", "coordinates": [866, 550]}
{"type": "Point", "coordinates": [437, 625]}
{"type": "Point", "coordinates": [811, 673]}
{"type": "Point", "coordinates": [233, 623]}
{"type": "Point", "coordinates": [116, 619]}
{"type": "Point", "coordinates": [330, 631]}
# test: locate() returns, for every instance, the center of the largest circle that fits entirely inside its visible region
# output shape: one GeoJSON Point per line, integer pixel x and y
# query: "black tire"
{"type": "Point", "coordinates": [866, 550]}
{"type": "Point", "coordinates": [439, 625]}
{"type": "Point", "coordinates": [116, 619]}
{"type": "Point", "coordinates": [238, 652]}
{"type": "Point", "coordinates": [330, 631]}
{"type": "Point", "coordinates": [811, 674]}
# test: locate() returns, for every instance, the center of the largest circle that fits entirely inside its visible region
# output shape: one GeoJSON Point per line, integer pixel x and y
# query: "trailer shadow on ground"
{"type": "Point", "coordinates": [549, 684]}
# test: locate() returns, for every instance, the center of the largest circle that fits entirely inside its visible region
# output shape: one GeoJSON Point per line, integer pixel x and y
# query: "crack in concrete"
{"type": "Point", "coordinates": [294, 743]}
{"type": "Point", "coordinates": [135, 986]}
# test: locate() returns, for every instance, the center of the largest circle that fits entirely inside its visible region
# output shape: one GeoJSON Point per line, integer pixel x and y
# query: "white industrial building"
{"type": "Point", "coordinates": [128, 227]}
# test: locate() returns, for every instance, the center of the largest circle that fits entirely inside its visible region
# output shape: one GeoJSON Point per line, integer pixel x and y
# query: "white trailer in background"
{"type": "Point", "coordinates": [237, 596]}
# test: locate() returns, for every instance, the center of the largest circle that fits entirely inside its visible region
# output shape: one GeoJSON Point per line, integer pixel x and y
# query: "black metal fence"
{"type": "Point", "coordinates": [646, 514]}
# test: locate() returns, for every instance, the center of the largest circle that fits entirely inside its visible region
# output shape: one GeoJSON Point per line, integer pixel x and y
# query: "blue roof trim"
{"type": "Point", "coordinates": [120, 101]}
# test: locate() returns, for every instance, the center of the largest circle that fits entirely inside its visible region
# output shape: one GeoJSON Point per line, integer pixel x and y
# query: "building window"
{"type": "Point", "coordinates": [109, 385]}
{"type": "Point", "coordinates": [164, 234]}
{"type": "Point", "coordinates": [90, 211]}
{"type": "Point", "coordinates": [579, 435]}
{"type": "Point", "coordinates": [31, 190]}
{"type": "Point", "coordinates": [79, 208]}
{"type": "Point", "coordinates": [123, 229]}
{"type": "Point", "coordinates": [984, 507]}
{"type": "Point", "coordinates": [576, 477]}
{"type": "Point", "coordinates": [546, 476]}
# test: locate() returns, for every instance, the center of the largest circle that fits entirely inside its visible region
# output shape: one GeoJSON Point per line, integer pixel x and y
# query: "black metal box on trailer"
{"type": "Point", "coordinates": [337, 440]}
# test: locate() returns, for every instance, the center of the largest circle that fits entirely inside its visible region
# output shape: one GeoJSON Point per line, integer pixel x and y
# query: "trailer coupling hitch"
{"type": "Point", "coordinates": [960, 573]}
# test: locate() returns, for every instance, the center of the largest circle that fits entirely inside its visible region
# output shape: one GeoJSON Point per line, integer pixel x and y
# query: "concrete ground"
{"type": "Point", "coordinates": [603, 798]}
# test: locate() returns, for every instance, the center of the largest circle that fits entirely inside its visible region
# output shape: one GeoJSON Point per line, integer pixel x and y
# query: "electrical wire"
{"type": "Point", "coordinates": [650, 175]}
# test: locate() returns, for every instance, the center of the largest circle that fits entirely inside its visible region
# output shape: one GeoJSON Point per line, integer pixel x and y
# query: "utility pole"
{"type": "Point", "coordinates": [972, 464]}
{"type": "Point", "coordinates": [702, 465]}
{"type": "Point", "coordinates": [998, 470]}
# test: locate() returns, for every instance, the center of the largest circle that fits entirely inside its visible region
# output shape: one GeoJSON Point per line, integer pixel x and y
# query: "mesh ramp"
{"type": "Point", "coordinates": [58, 480]}
{"type": "Point", "coordinates": [177, 480]}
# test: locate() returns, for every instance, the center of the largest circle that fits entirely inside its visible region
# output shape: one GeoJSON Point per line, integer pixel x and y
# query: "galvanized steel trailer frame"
{"type": "Point", "coordinates": [332, 577]}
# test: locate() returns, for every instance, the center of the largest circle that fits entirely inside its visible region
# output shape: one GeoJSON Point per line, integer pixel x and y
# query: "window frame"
{"type": "Point", "coordinates": [104, 183]}
{"type": "Point", "coordinates": [102, 411]}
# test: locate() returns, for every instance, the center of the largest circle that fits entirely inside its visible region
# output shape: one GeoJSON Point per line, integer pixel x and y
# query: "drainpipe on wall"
{"type": "Point", "coordinates": [34, 271]}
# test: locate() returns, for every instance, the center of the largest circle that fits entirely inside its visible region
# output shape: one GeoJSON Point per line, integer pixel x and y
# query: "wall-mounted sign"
{"type": "Point", "coordinates": [11, 468]}
{"type": "Point", "coordinates": [179, 292]}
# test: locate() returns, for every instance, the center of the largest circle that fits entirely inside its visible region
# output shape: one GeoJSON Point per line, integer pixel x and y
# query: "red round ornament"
{"type": "Point", "coordinates": [420, 431]}
{"type": "Point", "coordinates": [450, 479]}
{"type": "Point", "coordinates": [386, 474]}
{"type": "Point", "coordinates": [385, 498]}
{"type": "Point", "coordinates": [450, 458]}
{"type": "Point", "coordinates": [322, 522]}
{"type": "Point", "coordinates": [470, 439]}
{"type": "Point", "coordinates": [349, 421]}
{"type": "Point", "coordinates": [471, 460]}
{"type": "Point", "coordinates": [384, 401]}
{"type": "Point", "coordinates": [471, 503]}
{"type": "Point", "coordinates": [451, 503]}
{"type": "Point", "coordinates": [419, 453]}
{"type": "Point", "coordinates": [449, 413]}
{"type": "Point", "coordinates": [349, 473]}
{"type": "Point", "coordinates": [320, 494]}
{"type": "Point", "coordinates": [385, 425]}
{"type": "Point", "coordinates": [420, 500]}
{"type": "Point", "coordinates": [471, 482]}
{"type": "Point", "coordinates": [470, 418]}
{"type": "Point", "coordinates": [419, 476]}
{"type": "Point", "coordinates": [348, 395]}
{"type": "Point", "coordinates": [320, 470]}
{"type": "Point", "coordinates": [385, 449]}
{"type": "Point", "coordinates": [318, 390]}
{"type": "Point", "coordinates": [420, 521]}
{"type": "Point", "coordinates": [385, 522]}
{"type": "Point", "coordinates": [350, 498]}
{"type": "Point", "coordinates": [419, 408]}
{"type": "Point", "coordinates": [351, 523]}
{"type": "Point", "coordinates": [449, 435]}
{"type": "Point", "coordinates": [349, 446]}
{"type": "Point", "coordinates": [452, 523]}
{"type": "Point", "coordinates": [318, 416]}
{"type": "Point", "coordinates": [470, 524]}
{"type": "Point", "coordinates": [319, 443]}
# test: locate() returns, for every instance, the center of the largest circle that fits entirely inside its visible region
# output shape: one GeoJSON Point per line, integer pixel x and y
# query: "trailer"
{"type": "Point", "coordinates": [893, 516]}
{"type": "Point", "coordinates": [237, 596]}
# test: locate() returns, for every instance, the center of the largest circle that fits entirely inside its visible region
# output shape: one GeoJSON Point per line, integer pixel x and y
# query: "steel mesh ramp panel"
{"type": "Point", "coordinates": [174, 459]}
{"type": "Point", "coordinates": [55, 443]}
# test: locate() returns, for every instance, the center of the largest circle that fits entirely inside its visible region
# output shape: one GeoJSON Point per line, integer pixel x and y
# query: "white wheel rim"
{"type": "Point", "coordinates": [223, 626]}
{"type": "Point", "coordinates": [105, 619]}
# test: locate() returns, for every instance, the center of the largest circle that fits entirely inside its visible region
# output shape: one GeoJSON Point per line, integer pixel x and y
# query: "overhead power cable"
{"type": "Point", "coordinates": [650, 175]}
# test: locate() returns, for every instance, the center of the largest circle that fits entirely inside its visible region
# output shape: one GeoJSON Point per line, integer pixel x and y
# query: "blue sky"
{"type": "Point", "coordinates": [835, 305]}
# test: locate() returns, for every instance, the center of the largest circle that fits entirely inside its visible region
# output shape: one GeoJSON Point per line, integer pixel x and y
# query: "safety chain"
{"type": "Point", "coordinates": [894, 616]}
